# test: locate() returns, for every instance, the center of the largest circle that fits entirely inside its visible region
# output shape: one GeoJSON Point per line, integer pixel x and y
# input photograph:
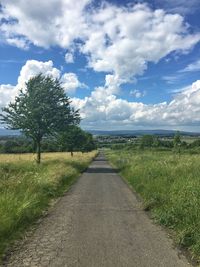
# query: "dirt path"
{"type": "Point", "coordinates": [98, 223]}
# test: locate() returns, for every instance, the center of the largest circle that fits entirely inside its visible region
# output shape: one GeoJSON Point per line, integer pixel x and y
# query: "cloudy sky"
{"type": "Point", "coordinates": [125, 64]}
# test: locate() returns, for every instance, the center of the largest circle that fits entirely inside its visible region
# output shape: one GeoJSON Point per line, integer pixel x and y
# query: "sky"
{"type": "Point", "coordinates": [125, 64]}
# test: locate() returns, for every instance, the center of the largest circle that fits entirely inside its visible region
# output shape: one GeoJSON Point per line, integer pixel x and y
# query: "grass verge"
{"type": "Point", "coordinates": [170, 187]}
{"type": "Point", "coordinates": [26, 188]}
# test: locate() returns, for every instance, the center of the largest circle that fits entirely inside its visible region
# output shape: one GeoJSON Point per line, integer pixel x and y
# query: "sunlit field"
{"type": "Point", "coordinates": [6, 158]}
{"type": "Point", "coordinates": [26, 188]}
{"type": "Point", "coordinates": [169, 184]}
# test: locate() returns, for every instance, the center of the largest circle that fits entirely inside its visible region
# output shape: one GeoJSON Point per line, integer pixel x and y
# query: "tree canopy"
{"type": "Point", "coordinates": [75, 139]}
{"type": "Point", "coordinates": [41, 109]}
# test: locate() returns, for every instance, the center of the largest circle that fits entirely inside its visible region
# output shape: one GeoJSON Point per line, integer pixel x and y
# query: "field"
{"type": "Point", "coordinates": [169, 184]}
{"type": "Point", "coordinates": [26, 188]}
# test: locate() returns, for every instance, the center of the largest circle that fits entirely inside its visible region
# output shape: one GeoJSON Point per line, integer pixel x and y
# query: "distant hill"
{"type": "Point", "coordinates": [5, 132]}
{"type": "Point", "coordinates": [142, 132]}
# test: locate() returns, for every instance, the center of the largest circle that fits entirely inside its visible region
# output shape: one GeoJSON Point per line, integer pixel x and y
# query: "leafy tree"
{"type": "Point", "coordinates": [71, 139]}
{"type": "Point", "coordinates": [195, 143]}
{"type": "Point", "coordinates": [89, 143]}
{"type": "Point", "coordinates": [156, 141]}
{"type": "Point", "coordinates": [177, 142]}
{"type": "Point", "coordinates": [42, 109]}
{"type": "Point", "coordinates": [177, 139]}
{"type": "Point", "coordinates": [147, 140]}
{"type": "Point", "coordinates": [75, 139]}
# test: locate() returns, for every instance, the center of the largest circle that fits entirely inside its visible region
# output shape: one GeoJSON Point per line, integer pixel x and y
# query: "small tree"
{"type": "Point", "coordinates": [89, 143]}
{"type": "Point", "coordinates": [177, 142]}
{"type": "Point", "coordinates": [75, 139]}
{"type": "Point", "coordinates": [72, 139]}
{"type": "Point", "coordinates": [177, 139]}
{"type": "Point", "coordinates": [40, 110]}
{"type": "Point", "coordinates": [147, 140]}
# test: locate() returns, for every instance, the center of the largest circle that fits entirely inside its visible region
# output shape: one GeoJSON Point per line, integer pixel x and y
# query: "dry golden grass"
{"type": "Point", "coordinates": [7, 158]}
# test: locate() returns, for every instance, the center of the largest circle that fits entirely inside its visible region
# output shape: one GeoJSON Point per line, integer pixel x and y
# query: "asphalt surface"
{"type": "Point", "coordinates": [98, 223]}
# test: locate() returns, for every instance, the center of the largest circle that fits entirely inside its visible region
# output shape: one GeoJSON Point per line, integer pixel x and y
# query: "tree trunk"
{"type": "Point", "coordinates": [72, 154]}
{"type": "Point", "coordinates": [38, 151]}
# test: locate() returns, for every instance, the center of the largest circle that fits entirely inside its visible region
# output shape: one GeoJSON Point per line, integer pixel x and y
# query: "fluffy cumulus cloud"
{"type": "Point", "coordinates": [33, 68]}
{"type": "Point", "coordinates": [7, 93]}
{"type": "Point", "coordinates": [43, 23]}
{"type": "Point", "coordinates": [123, 41]}
{"type": "Point", "coordinates": [69, 81]}
{"type": "Point", "coordinates": [111, 111]}
{"type": "Point", "coordinates": [117, 40]}
{"type": "Point", "coordinates": [104, 109]}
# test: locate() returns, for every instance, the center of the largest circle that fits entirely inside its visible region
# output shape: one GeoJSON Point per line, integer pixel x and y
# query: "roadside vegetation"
{"type": "Point", "coordinates": [26, 188]}
{"type": "Point", "coordinates": [168, 180]}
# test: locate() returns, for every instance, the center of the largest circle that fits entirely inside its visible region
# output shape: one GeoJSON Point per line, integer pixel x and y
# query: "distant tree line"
{"type": "Point", "coordinates": [152, 141]}
{"type": "Point", "coordinates": [22, 144]}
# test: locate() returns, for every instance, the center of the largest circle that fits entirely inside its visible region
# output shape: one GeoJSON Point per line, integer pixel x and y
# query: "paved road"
{"type": "Point", "coordinates": [98, 223]}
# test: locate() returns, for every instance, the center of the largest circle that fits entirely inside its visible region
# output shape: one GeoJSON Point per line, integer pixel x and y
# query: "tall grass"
{"type": "Point", "coordinates": [26, 188]}
{"type": "Point", "coordinates": [170, 187]}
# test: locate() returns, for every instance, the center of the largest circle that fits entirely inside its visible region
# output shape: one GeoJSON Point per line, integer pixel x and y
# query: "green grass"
{"type": "Point", "coordinates": [26, 189]}
{"type": "Point", "coordinates": [170, 188]}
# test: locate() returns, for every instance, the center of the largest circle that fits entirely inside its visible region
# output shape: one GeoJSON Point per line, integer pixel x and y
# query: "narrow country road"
{"type": "Point", "coordinates": [98, 223]}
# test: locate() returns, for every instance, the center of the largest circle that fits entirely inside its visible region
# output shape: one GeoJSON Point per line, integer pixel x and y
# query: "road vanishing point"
{"type": "Point", "coordinates": [98, 223]}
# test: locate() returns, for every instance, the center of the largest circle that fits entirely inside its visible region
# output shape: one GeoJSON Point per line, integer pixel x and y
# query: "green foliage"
{"type": "Point", "coordinates": [177, 139]}
{"type": "Point", "coordinates": [154, 141]}
{"type": "Point", "coordinates": [75, 139]}
{"type": "Point", "coordinates": [170, 187]}
{"type": "Point", "coordinates": [147, 140]}
{"type": "Point", "coordinates": [40, 110]}
{"type": "Point", "coordinates": [195, 143]}
{"type": "Point", "coordinates": [89, 143]}
{"type": "Point", "coordinates": [17, 145]}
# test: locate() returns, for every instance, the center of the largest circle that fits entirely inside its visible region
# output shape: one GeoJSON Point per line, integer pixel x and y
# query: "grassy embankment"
{"type": "Point", "coordinates": [170, 188]}
{"type": "Point", "coordinates": [26, 188]}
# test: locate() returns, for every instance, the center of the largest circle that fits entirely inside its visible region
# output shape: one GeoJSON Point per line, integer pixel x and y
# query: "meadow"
{"type": "Point", "coordinates": [169, 184]}
{"type": "Point", "coordinates": [26, 188]}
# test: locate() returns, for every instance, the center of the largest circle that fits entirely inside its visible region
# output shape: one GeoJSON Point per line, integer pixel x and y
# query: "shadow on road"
{"type": "Point", "coordinates": [100, 170]}
{"type": "Point", "coordinates": [100, 159]}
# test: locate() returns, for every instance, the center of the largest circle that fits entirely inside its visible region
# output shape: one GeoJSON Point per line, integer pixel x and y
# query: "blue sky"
{"type": "Point", "coordinates": [125, 64]}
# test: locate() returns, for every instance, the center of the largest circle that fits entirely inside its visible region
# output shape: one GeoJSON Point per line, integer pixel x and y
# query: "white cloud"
{"type": "Point", "coordinates": [137, 93]}
{"type": "Point", "coordinates": [70, 82]}
{"type": "Point", "coordinates": [35, 67]}
{"type": "Point", "coordinates": [69, 58]}
{"type": "Point", "coordinates": [102, 109]}
{"type": "Point", "coordinates": [18, 42]}
{"type": "Point", "coordinates": [195, 66]}
{"type": "Point", "coordinates": [123, 41]}
{"type": "Point", "coordinates": [7, 93]}
{"type": "Point", "coordinates": [44, 23]}
{"type": "Point", "coordinates": [116, 40]}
